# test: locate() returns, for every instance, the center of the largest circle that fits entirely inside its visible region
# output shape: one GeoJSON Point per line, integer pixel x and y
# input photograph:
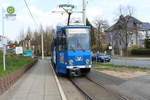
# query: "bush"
{"type": "Point", "coordinates": [135, 46]}
{"type": "Point", "coordinates": [94, 48]}
{"type": "Point", "coordinates": [147, 43]}
{"type": "Point", "coordinates": [142, 51]}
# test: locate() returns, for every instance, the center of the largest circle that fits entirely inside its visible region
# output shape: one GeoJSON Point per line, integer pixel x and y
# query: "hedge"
{"type": "Point", "coordinates": [145, 52]}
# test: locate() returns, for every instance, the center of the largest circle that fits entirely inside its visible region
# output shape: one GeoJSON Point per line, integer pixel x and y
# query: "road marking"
{"type": "Point", "coordinates": [58, 84]}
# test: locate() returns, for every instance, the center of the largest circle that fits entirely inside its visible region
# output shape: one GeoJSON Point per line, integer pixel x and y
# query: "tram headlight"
{"type": "Point", "coordinates": [70, 62]}
{"type": "Point", "coordinates": [87, 61]}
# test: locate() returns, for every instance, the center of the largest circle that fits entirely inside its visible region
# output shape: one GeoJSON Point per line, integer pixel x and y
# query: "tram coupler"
{"type": "Point", "coordinates": [75, 72]}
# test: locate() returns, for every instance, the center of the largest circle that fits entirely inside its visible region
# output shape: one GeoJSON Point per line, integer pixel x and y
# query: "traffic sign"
{"type": "Point", "coordinates": [10, 16]}
{"type": "Point", "coordinates": [10, 10]}
{"type": "Point", "coordinates": [11, 46]}
{"type": "Point", "coordinates": [10, 13]}
{"type": "Point", "coordinates": [110, 47]}
{"type": "Point", "coordinates": [19, 50]}
{"type": "Point", "coordinates": [5, 41]}
{"type": "Point", "coordinates": [27, 53]}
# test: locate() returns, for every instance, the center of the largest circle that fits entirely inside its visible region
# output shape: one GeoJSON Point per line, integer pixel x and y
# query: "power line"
{"type": "Point", "coordinates": [30, 13]}
{"type": "Point", "coordinates": [42, 47]}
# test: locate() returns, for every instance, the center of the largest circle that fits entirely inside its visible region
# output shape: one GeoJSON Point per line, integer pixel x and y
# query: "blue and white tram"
{"type": "Point", "coordinates": [71, 50]}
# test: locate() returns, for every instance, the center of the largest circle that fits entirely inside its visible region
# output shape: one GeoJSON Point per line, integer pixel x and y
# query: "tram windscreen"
{"type": "Point", "coordinates": [78, 39]}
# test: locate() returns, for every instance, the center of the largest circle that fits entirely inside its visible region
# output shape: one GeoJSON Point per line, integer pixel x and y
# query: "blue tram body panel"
{"type": "Point", "coordinates": [78, 57]}
{"type": "Point", "coordinates": [61, 63]}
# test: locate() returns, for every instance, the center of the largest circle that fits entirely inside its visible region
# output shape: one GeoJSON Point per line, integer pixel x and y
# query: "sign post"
{"type": "Point", "coordinates": [10, 12]}
{"type": "Point", "coordinates": [3, 32]}
{"type": "Point", "coordinates": [4, 57]}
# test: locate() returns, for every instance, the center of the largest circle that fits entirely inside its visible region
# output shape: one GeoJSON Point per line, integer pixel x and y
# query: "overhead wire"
{"type": "Point", "coordinates": [35, 22]}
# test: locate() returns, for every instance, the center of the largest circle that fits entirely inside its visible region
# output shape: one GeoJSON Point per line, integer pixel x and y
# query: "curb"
{"type": "Point", "coordinates": [63, 96]}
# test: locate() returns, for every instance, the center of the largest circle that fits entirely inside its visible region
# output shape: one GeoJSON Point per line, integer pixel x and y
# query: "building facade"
{"type": "Point", "coordinates": [127, 32]}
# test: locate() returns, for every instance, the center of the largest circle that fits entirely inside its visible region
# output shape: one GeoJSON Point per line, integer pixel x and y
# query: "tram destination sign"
{"type": "Point", "coordinates": [77, 31]}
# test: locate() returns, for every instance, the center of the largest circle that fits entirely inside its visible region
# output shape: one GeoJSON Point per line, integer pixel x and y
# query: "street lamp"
{"type": "Point", "coordinates": [42, 45]}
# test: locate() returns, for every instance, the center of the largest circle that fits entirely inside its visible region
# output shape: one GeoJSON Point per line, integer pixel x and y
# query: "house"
{"type": "Point", "coordinates": [126, 32]}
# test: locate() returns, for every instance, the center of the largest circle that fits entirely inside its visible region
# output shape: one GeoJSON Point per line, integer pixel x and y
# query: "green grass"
{"type": "Point", "coordinates": [98, 65]}
{"type": "Point", "coordinates": [13, 63]}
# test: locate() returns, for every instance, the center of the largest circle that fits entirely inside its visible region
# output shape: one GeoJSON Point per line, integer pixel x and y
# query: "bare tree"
{"type": "Point", "coordinates": [126, 26]}
{"type": "Point", "coordinates": [101, 25]}
{"type": "Point", "coordinates": [130, 10]}
{"type": "Point", "coordinates": [21, 35]}
{"type": "Point", "coordinates": [125, 11]}
{"type": "Point", "coordinates": [32, 40]}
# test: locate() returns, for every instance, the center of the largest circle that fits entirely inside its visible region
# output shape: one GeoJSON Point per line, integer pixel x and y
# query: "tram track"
{"type": "Point", "coordinates": [95, 91]}
{"type": "Point", "coordinates": [110, 90]}
{"type": "Point", "coordinates": [70, 90]}
{"type": "Point", "coordinates": [87, 97]}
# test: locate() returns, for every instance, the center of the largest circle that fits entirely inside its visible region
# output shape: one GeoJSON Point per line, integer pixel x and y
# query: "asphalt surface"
{"type": "Point", "coordinates": [137, 88]}
{"type": "Point", "coordinates": [36, 84]}
{"type": "Point", "coordinates": [140, 62]}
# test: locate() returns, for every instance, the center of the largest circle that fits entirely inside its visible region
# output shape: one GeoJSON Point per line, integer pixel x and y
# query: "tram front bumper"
{"type": "Point", "coordinates": [83, 66]}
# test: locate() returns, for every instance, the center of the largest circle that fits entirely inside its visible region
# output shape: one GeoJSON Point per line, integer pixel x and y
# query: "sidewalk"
{"type": "Point", "coordinates": [37, 84]}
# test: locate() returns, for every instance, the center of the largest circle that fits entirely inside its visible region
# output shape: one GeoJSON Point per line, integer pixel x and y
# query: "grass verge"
{"type": "Point", "coordinates": [99, 65]}
{"type": "Point", "coordinates": [13, 63]}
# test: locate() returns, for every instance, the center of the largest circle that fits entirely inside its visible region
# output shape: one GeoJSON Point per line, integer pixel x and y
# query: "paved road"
{"type": "Point", "coordinates": [131, 62]}
{"type": "Point", "coordinates": [138, 87]}
{"type": "Point", "coordinates": [37, 84]}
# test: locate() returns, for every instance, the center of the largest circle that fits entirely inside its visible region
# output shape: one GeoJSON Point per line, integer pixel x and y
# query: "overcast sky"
{"type": "Point", "coordinates": [42, 12]}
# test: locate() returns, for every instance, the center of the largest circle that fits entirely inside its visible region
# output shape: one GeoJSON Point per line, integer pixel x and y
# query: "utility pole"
{"type": "Point", "coordinates": [4, 45]}
{"type": "Point", "coordinates": [42, 45]}
{"type": "Point", "coordinates": [84, 11]}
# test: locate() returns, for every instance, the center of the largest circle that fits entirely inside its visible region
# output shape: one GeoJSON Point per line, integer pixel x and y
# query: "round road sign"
{"type": "Point", "coordinates": [10, 10]}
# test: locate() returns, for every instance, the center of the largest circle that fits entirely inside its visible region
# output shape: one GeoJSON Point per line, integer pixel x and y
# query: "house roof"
{"type": "Point", "coordinates": [145, 26]}
{"type": "Point", "coordinates": [131, 22]}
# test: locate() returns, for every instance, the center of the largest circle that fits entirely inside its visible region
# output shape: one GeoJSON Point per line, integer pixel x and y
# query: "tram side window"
{"type": "Point", "coordinates": [58, 41]}
{"type": "Point", "coordinates": [61, 43]}
{"type": "Point", "coordinates": [64, 43]}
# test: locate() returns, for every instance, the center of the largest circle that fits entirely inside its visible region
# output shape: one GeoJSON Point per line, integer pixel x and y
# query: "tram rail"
{"type": "Point", "coordinates": [95, 91]}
